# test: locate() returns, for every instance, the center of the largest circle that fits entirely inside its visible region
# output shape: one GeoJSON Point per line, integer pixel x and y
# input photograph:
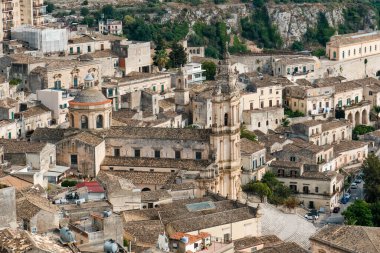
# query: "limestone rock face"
{"type": "Point", "coordinates": [293, 20]}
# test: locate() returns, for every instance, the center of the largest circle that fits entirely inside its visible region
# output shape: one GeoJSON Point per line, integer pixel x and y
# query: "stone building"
{"type": "Point", "coordinates": [345, 239]}
{"type": "Point", "coordinates": [210, 158]}
{"type": "Point", "coordinates": [38, 155]}
{"type": "Point", "coordinates": [348, 98]}
{"type": "Point", "coordinates": [296, 67]}
{"type": "Point", "coordinates": [37, 214]}
{"type": "Point", "coordinates": [133, 56]}
{"type": "Point", "coordinates": [353, 46]}
{"type": "Point", "coordinates": [261, 102]}
{"type": "Point", "coordinates": [111, 26]}
{"type": "Point", "coordinates": [83, 152]}
{"type": "Point", "coordinates": [316, 189]}
{"type": "Point", "coordinates": [253, 155]}
{"type": "Point", "coordinates": [322, 132]}
{"type": "Point", "coordinates": [90, 109]}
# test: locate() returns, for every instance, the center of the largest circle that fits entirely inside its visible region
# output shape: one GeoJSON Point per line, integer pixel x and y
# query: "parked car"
{"type": "Point", "coordinates": [354, 186]}
{"type": "Point", "coordinates": [314, 212]}
{"type": "Point", "coordinates": [336, 209]}
{"type": "Point", "coordinates": [347, 195]}
{"type": "Point", "coordinates": [310, 216]}
{"type": "Point", "coordinates": [344, 200]}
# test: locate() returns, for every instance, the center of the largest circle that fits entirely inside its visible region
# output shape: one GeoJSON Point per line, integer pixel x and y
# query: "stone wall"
{"type": "Point", "coordinates": [7, 207]}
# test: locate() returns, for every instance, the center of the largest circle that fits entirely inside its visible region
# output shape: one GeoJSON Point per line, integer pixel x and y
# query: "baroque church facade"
{"type": "Point", "coordinates": [209, 158]}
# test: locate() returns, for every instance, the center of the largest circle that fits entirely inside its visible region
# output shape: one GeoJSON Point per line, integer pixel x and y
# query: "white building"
{"type": "Point", "coordinates": [57, 101]}
{"type": "Point", "coordinates": [111, 26]}
{"type": "Point", "coordinates": [44, 39]}
{"type": "Point", "coordinates": [194, 73]}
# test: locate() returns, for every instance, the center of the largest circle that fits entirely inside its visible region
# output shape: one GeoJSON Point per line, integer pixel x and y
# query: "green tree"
{"type": "Point", "coordinates": [260, 189]}
{"type": "Point", "coordinates": [178, 56]}
{"type": "Point", "coordinates": [375, 209]}
{"type": "Point", "coordinates": [238, 46]}
{"type": "Point", "coordinates": [245, 133]}
{"type": "Point", "coordinates": [49, 7]}
{"type": "Point", "coordinates": [69, 183]}
{"type": "Point", "coordinates": [365, 66]}
{"type": "Point", "coordinates": [210, 68]}
{"type": "Point", "coordinates": [161, 59]}
{"type": "Point", "coordinates": [84, 11]}
{"type": "Point", "coordinates": [371, 171]}
{"type": "Point", "coordinates": [108, 11]}
{"type": "Point", "coordinates": [297, 46]}
{"type": "Point", "coordinates": [85, 2]}
{"type": "Point", "coordinates": [285, 122]}
{"type": "Point", "coordinates": [359, 213]}
{"type": "Point", "coordinates": [90, 21]}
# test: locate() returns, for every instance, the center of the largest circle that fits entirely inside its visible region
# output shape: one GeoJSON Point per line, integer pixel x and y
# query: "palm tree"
{"type": "Point", "coordinates": [365, 67]}
{"type": "Point", "coordinates": [161, 59]}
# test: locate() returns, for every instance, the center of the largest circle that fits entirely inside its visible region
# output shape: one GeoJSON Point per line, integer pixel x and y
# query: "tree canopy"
{"type": "Point", "coordinates": [371, 177]}
{"type": "Point", "coordinates": [359, 213]}
{"type": "Point", "coordinates": [210, 69]}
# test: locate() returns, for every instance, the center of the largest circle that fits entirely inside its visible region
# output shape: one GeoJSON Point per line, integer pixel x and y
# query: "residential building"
{"type": "Point", "coordinates": [312, 100]}
{"type": "Point", "coordinates": [125, 92]}
{"type": "Point", "coordinates": [348, 101]}
{"type": "Point", "coordinates": [37, 214]}
{"type": "Point", "coordinates": [57, 101]}
{"type": "Point", "coordinates": [32, 12]}
{"type": "Point", "coordinates": [8, 129]}
{"type": "Point", "coordinates": [255, 243]}
{"type": "Point", "coordinates": [353, 46]}
{"type": "Point", "coordinates": [371, 90]}
{"type": "Point", "coordinates": [63, 74]}
{"type": "Point", "coordinates": [33, 118]}
{"type": "Point", "coordinates": [37, 155]}
{"type": "Point", "coordinates": [315, 189]}
{"type": "Point", "coordinates": [93, 190]}
{"type": "Point", "coordinates": [253, 156]}
{"type": "Point", "coordinates": [89, 43]}
{"type": "Point", "coordinates": [225, 220]}
{"type": "Point", "coordinates": [261, 102]}
{"type": "Point", "coordinates": [322, 132]}
{"type": "Point", "coordinates": [8, 108]}
{"type": "Point", "coordinates": [122, 194]}
{"type": "Point", "coordinates": [345, 238]}
{"type": "Point", "coordinates": [194, 73]}
{"type": "Point", "coordinates": [10, 17]}
{"type": "Point", "coordinates": [350, 154]}
{"type": "Point", "coordinates": [111, 26]}
{"type": "Point", "coordinates": [133, 56]}
{"type": "Point", "coordinates": [296, 67]}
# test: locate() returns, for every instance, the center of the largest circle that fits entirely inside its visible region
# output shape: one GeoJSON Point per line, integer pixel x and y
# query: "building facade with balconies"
{"type": "Point", "coordinates": [297, 67]}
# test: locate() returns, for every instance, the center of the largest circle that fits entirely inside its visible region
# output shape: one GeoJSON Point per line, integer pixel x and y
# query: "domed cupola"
{"type": "Point", "coordinates": [90, 109]}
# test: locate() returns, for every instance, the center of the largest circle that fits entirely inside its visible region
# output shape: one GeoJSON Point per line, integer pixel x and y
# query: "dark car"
{"type": "Point", "coordinates": [336, 209]}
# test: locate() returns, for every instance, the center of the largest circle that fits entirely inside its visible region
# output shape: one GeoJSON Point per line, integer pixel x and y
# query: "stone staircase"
{"type": "Point", "coordinates": [288, 227]}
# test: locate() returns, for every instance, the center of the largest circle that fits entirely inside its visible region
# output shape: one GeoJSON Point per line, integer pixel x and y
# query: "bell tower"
{"type": "Point", "coordinates": [181, 92]}
{"type": "Point", "coordinates": [225, 137]}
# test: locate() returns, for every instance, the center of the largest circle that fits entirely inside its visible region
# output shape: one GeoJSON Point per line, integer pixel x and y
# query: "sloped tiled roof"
{"type": "Point", "coordinates": [355, 239]}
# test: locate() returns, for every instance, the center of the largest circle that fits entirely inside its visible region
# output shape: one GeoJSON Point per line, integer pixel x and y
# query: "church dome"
{"type": "Point", "coordinates": [89, 78]}
{"type": "Point", "coordinates": [90, 96]}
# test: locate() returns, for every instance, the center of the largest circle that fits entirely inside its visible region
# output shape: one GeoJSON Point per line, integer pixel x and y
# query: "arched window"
{"type": "Point", "coordinates": [226, 119]}
{"type": "Point", "coordinates": [84, 122]}
{"type": "Point", "coordinates": [72, 120]}
{"type": "Point", "coordinates": [99, 121]}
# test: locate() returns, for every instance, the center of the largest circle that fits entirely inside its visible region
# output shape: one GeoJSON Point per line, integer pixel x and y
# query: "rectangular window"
{"type": "Point", "coordinates": [270, 91]}
{"type": "Point", "coordinates": [261, 104]}
{"type": "Point", "coordinates": [137, 152]}
{"type": "Point", "coordinates": [316, 189]}
{"type": "Point", "coordinates": [89, 49]}
{"type": "Point", "coordinates": [254, 164]}
{"type": "Point", "coordinates": [270, 103]}
{"type": "Point", "coordinates": [198, 155]}
{"type": "Point", "coordinates": [157, 153]}
{"type": "Point", "coordinates": [74, 159]}
{"type": "Point", "coordinates": [177, 154]}
{"type": "Point", "coordinates": [116, 152]}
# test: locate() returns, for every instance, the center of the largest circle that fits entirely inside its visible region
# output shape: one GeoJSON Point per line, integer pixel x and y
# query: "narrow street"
{"type": "Point", "coordinates": [337, 218]}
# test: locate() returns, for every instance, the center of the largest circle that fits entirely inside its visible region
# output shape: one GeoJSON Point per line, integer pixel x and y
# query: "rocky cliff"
{"type": "Point", "coordinates": [293, 20]}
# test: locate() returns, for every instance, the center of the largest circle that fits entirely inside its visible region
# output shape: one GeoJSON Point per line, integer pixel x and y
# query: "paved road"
{"type": "Point", "coordinates": [337, 217]}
